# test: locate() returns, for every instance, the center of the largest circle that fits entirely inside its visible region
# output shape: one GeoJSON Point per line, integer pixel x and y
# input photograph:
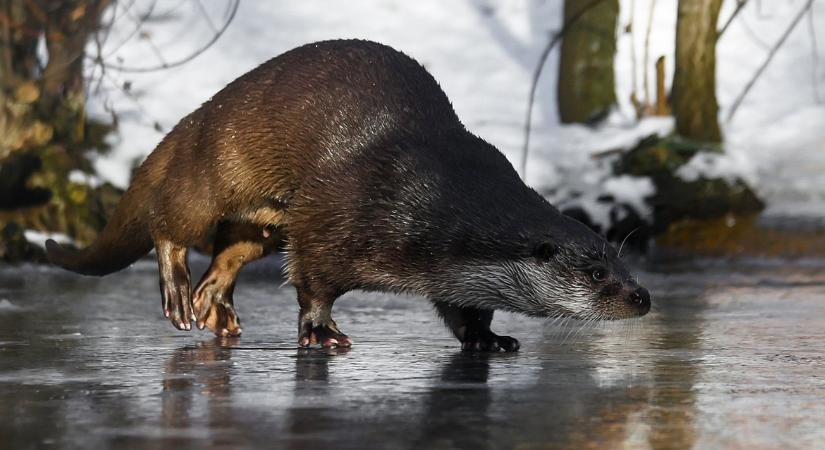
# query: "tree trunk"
{"type": "Point", "coordinates": [662, 106]}
{"type": "Point", "coordinates": [694, 79]}
{"type": "Point", "coordinates": [586, 90]}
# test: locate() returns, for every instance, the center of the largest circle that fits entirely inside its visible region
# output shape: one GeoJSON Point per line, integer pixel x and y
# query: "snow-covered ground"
{"type": "Point", "coordinates": [483, 52]}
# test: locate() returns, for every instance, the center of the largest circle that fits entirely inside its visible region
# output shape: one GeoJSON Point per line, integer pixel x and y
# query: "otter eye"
{"type": "Point", "coordinates": [598, 274]}
{"type": "Point", "coordinates": [544, 251]}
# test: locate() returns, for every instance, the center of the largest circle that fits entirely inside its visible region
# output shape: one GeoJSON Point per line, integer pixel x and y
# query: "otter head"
{"type": "Point", "coordinates": [566, 271]}
{"type": "Point", "coordinates": [572, 271]}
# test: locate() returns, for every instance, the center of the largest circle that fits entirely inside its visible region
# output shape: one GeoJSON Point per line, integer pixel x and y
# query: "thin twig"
{"type": "Point", "coordinates": [772, 53]}
{"type": "Point", "coordinates": [739, 5]}
{"type": "Point", "coordinates": [100, 42]}
{"type": "Point", "coordinates": [190, 57]}
{"type": "Point", "coordinates": [128, 94]}
{"type": "Point", "coordinates": [646, 57]}
{"type": "Point", "coordinates": [632, 32]}
{"type": "Point", "coordinates": [205, 15]}
{"type": "Point", "coordinates": [98, 61]}
{"type": "Point", "coordinates": [138, 21]}
{"type": "Point", "coordinates": [107, 28]}
{"type": "Point", "coordinates": [752, 34]}
{"type": "Point", "coordinates": [537, 74]}
{"type": "Point", "coordinates": [814, 56]}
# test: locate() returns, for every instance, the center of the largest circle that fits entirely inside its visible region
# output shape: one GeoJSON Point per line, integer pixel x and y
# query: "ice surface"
{"type": "Point", "coordinates": [730, 356]}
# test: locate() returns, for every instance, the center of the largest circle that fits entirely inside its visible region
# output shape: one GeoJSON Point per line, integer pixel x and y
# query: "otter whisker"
{"type": "Point", "coordinates": [554, 320]}
{"type": "Point", "coordinates": [625, 239]}
{"type": "Point", "coordinates": [569, 332]}
{"type": "Point", "coordinates": [581, 326]}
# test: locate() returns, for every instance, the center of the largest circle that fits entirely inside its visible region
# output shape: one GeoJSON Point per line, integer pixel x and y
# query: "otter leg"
{"type": "Point", "coordinates": [236, 245]}
{"type": "Point", "coordinates": [175, 286]}
{"type": "Point", "coordinates": [213, 303]}
{"type": "Point", "coordinates": [472, 327]}
{"type": "Point", "coordinates": [315, 324]}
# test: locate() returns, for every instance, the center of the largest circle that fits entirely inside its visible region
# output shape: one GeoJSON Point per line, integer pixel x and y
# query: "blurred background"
{"type": "Point", "coordinates": [692, 126]}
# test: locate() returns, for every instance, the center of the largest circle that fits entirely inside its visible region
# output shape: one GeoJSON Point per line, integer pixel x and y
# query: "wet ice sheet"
{"type": "Point", "coordinates": [728, 357]}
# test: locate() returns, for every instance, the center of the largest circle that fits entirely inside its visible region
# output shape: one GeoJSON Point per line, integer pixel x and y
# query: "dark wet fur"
{"type": "Point", "coordinates": [353, 150]}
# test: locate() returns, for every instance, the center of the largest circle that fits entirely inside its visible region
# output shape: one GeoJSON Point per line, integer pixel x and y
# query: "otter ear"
{"type": "Point", "coordinates": [545, 251]}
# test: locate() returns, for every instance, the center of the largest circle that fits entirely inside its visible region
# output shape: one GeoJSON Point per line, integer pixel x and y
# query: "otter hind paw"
{"type": "Point", "coordinates": [216, 312]}
{"type": "Point", "coordinates": [223, 320]}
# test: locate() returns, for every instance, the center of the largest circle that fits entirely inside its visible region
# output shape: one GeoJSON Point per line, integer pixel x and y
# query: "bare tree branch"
{"type": "Point", "coordinates": [772, 53]}
{"type": "Point", "coordinates": [632, 31]}
{"type": "Point", "coordinates": [537, 74]}
{"type": "Point", "coordinates": [164, 65]}
{"type": "Point", "coordinates": [814, 55]}
{"type": "Point", "coordinates": [739, 5]}
{"type": "Point", "coordinates": [205, 15]}
{"type": "Point", "coordinates": [752, 34]}
{"type": "Point", "coordinates": [138, 21]}
{"type": "Point", "coordinates": [646, 57]}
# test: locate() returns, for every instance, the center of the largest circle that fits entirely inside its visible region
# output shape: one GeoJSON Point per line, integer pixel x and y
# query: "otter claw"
{"type": "Point", "coordinates": [222, 319]}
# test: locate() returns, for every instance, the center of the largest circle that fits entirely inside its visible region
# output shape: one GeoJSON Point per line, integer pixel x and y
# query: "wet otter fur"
{"type": "Point", "coordinates": [350, 154]}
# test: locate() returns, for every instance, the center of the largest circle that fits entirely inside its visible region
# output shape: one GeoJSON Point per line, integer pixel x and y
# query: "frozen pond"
{"type": "Point", "coordinates": [730, 356]}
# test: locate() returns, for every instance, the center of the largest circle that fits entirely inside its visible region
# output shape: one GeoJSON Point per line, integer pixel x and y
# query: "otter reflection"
{"type": "Point", "coordinates": [575, 396]}
{"type": "Point", "coordinates": [456, 411]}
{"type": "Point", "coordinates": [192, 373]}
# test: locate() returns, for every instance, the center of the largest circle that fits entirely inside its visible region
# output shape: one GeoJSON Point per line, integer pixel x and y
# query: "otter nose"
{"type": "Point", "coordinates": [641, 298]}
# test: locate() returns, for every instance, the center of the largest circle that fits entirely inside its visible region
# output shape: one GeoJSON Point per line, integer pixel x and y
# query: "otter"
{"type": "Point", "coordinates": [349, 155]}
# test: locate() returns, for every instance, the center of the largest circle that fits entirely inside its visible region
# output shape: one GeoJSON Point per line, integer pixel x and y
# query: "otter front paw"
{"type": "Point", "coordinates": [326, 334]}
{"type": "Point", "coordinates": [487, 341]}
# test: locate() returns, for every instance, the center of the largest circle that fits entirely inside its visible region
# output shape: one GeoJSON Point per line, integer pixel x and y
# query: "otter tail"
{"type": "Point", "coordinates": [123, 241]}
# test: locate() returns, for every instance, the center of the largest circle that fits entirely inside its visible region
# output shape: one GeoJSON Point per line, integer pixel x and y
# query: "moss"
{"type": "Point", "coordinates": [676, 199]}
{"type": "Point", "coordinates": [655, 156]}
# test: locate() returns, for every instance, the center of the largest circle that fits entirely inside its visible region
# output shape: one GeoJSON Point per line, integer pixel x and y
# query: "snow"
{"type": "Point", "coordinates": [631, 190]}
{"type": "Point", "coordinates": [483, 53]}
{"type": "Point", "coordinates": [6, 305]}
{"type": "Point", "coordinates": [40, 238]}
{"type": "Point", "coordinates": [728, 166]}
{"type": "Point", "coordinates": [79, 177]}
